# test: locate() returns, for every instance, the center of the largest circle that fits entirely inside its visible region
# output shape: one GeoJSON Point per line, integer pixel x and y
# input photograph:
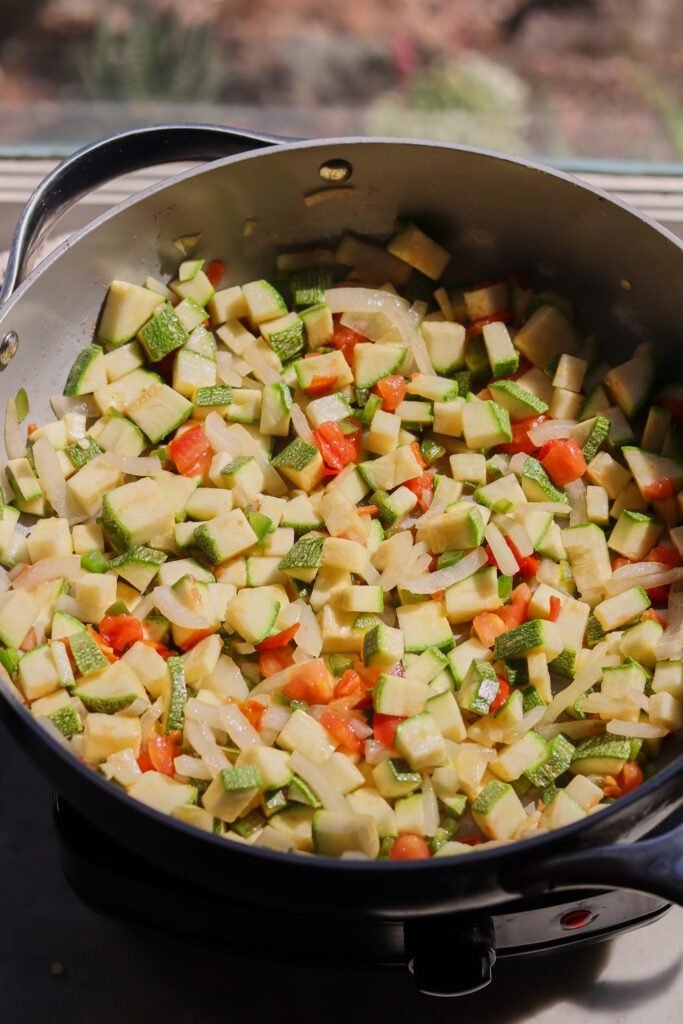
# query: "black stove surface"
{"type": "Point", "coordinates": [61, 962]}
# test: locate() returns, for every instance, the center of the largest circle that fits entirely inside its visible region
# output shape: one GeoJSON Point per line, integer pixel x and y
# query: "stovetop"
{"type": "Point", "coordinates": [59, 961]}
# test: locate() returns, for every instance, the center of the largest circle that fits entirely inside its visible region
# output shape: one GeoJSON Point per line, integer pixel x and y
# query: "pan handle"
{"type": "Point", "coordinates": [652, 866]}
{"type": "Point", "coordinates": [108, 158]}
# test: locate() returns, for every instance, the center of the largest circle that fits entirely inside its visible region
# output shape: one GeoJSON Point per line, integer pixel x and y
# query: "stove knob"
{"type": "Point", "coordinates": [450, 956]}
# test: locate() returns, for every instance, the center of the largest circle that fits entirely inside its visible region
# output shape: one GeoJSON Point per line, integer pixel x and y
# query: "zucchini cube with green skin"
{"type": "Point", "coordinates": [617, 611]}
{"type": "Point", "coordinates": [640, 642]}
{"type": "Point", "coordinates": [175, 697]}
{"type": "Point", "coordinates": [81, 452]}
{"type": "Point", "coordinates": [394, 695]}
{"type": "Point", "coordinates": [360, 599]}
{"type": "Point", "coordinates": [22, 480]}
{"type": "Point", "coordinates": [225, 536]}
{"type": "Point", "coordinates": [445, 711]}
{"type": "Point", "coordinates": [558, 760]}
{"type": "Point", "coordinates": [198, 287]}
{"type": "Point", "coordinates": [630, 383]}
{"type": "Point", "coordinates": [304, 559]}
{"type": "Point", "coordinates": [306, 736]}
{"type": "Point", "coordinates": [546, 335]}
{"type": "Point", "coordinates": [301, 463]}
{"type": "Point", "coordinates": [367, 801]}
{"type": "Point", "coordinates": [138, 566]}
{"type": "Point", "coordinates": [561, 810]}
{"type": "Point", "coordinates": [461, 526]}
{"type": "Point", "coordinates": [328, 364]}
{"type": "Point", "coordinates": [276, 409]}
{"type": "Point", "coordinates": [272, 765]}
{"type": "Point", "coordinates": [501, 495]}
{"type": "Point", "coordinates": [192, 371]}
{"type": "Point", "coordinates": [393, 507]}
{"type": "Point", "coordinates": [114, 432]}
{"type": "Point", "coordinates": [634, 535]}
{"type": "Point", "coordinates": [382, 647]}
{"type": "Point", "coordinates": [112, 690]}
{"type": "Point", "coordinates": [502, 354]}
{"type": "Point", "coordinates": [425, 625]}
{"type": "Point", "coordinates": [211, 399]}
{"type": "Point", "coordinates": [104, 735]}
{"type": "Point", "coordinates": [521, 757]}
{"type": "Point", "coordinates": [445, 344]}
{"type": "Point", "coordinates": [18, 611]}
{"type": "Point", "coordinates": [136, 512]}
{"type": "Point", "coordinates": [420, 742]}
{"type": "Point", "coordinates": [536, 483]}
{"type": "Point", "coordinates": [227, 304]}
{"type": "Point", "coordinates": [206, 503]}
{"type": "Point", "coordinates": [432, 387]}
{"type": "Point", "coordinates": [597, 436]}
{"type": "Point", "coordinates": [589, 558]}
{"type": "Point", "coordinates": [285, 335]}
{"type": "Point", "coordinates": [328, 408]}
{"type": "Point", "coordinates": [395, 778]}
{"type": "Point", "coordinates": [159, 411]}
{"type": "Point", "coordinates": [498, 811]}
{"type": "Point", "coordinates": [601, 755]}
{"type": "Point", "coordinates": [190, 314]}
{"type": "Point", "coordinates": [162, 334]}
{"type": "Point", "coordinates": [339, 832]}
{"type": "Point", "coordinates": [126, 308]}
{"type": "Point", "coordinates": [475, 594]}
{"type": "Point", "coordinates": [263, 301]}
{"type": "Point", "coordinates": [517, 400]}
{"type": "Point", "coordinates": [485, 424]}
{"type": "Point", "coordinates": [87, 655]}
{"type": "Point", "coordinates": [479, 688]}
{"type": "Point", "coordinates": [318, 324]}
{"type": "Point", "coordinates": [536, 635]}
{"type": "Point", "coordinates": [649, 469]}
{"type": "Point", "coordinates": [67, 720]}
{"type": "Point", "coordinates": [163, 793]}
{"type": "Point", "coordinates": [372, 362]}
{"type": "Point", "coordinates": [87, 373]}
{"type": "Point", "coordinates": [253, 613]}
{"type": "Point", "coordinates": [37, 673]}
{"type": "Point", "coordinates": [244, 477]}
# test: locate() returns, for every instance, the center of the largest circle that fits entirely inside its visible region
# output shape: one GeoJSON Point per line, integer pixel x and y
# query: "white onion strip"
{"type": "Point", "coordinates": [199, 736]}
{"type": "Point", "coordinates": [507, 563]}
{"type": "Point", "coordinates": [260, 365]}
{"type": "Point", "coordinates": [132, 465]}
{"type": "Point", "coordinates": [643, 574]}
{"type": "Point", "coordinates": [322, 786]}
{"type": "Point", "coordinates": [143, 607]}
{"type": "Point", "coordinates": [54, 568]}
{"type": "Point", "coordinates": [220, 436]}
{"type": "Point", "coordinates": [576, 492]}
{"type": "Point", "coordinates": [85, 404]}
{"type": "Point", "coordinates": [528, 722]}
{"type": "Point", "coordinates": [586, 678]}
{"type": "Point", "coordinates": [273, 482]}
{"type": "Point", "coordinates": [643, 730]}
{"type": "Point", "coordinates": [300, 424]}
{"type": "Point", "coordinates": [238, 727]}
{"type": "Point", "coordinates": [169, 605]}
{"type": "Point", "coordinates": [443, 578]}
{"type": "Point", "coordinates": [191, 767]}
{"type": "Point", "coordinates": [551, 429]}
{"type": "Point", "coordinates": [14, 446]}
{"type": "Point", "coordinates": [430, 807]}
{"type": "Point", "coordinates": [370, 300]}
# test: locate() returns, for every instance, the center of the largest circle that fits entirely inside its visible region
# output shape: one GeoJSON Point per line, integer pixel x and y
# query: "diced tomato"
{"type": "Point", "coordinates": [270, 662]}
{"type": "Point", "coordinates": [384, 728]}
{"type": "Point", "coordinates": [31, 428]}
{"type": "Point", "coordinates": [409, 847]}
{"type": "Point", "coordinates": [423, 488]}
{"type": "Point", "coordinates": [337, 449]}
{"type": "Point", "coordinates": [618, 563]}
{"type": "Point", "coordinates": [659, 595]}
{"type": "Point", "coordinates": [663, 488]}
{"type": "Point", "coordinates": [563, 461]}
{"type": "Point", "coordinates": [471, 840]}
{"type": "Point", "coordinates": [271, 643]}
{"type": "Point", "coordinates": [191, 452]}
{"type": "Point", "coordinates": [346, 339]}
{"type": "Point", "coordinates": [392, 391]}
{"type": "Point", "coordinates": [655, 616]}
{"type": "Point", "coordinates": [490, 555]}
{"type": "Point", "coordinates": [352, 690]}
{"type": "Point", "coordinates": [520, 437]}
{"type": "Point", "coordinates": [515, 613]}
{"type": "Point", "coordinates": [254, 711]}
{"type": "Point", "coordinates": [524, 367]}
{"type": "Point", "coordinates": [555, 608]}
{"type": "Point", "coordinates": [438, 595]}
{"type": "Point", "coordinates": [367, 510]}
{"type": "Point", "coordinates": [501, 697]}
{"type": "Point", "coordinates": [528, 564]}
{"type": "Point", "coordinates": [163, 651]}
{"type": "Point", "coordinates": [371, 675]}
{"type": "Point", "coordinates": [215, 271]}
{"type": "Point", "coordinates": [667, 556]}
{"type": "Point", "coordinates": [477, 326]}
{"type": "Point", "coordinates": [162, 750]}
{"type": "Point", "coordinates": [120, 632]}
{"type": "Point", "coordinates": [488, 626]}
{"type": "Point", "coordinates": [630, 777]}
{"type": "Point", "coordinates": [418, 455]}
{"type": "Point", "coordinates": [145, 761]}
{"type": "Point", "coordinates": [320, 386]}
{"type": "Point", "coordinates": [341, 732]}
{"type": "Point", "coordinates": [107, 651]}
{"type": "Point", "coordinates": [194, 638]}
{"type": "Point", "coordinates": [312, 682]}
{"type": "Point", "coordinates": [30, 641]}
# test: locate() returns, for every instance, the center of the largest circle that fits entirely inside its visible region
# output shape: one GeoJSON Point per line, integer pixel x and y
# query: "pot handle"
{"type": "Point", "coordinates": [108, 158]}
{"type": "Point", "coordinates": [653, 866]}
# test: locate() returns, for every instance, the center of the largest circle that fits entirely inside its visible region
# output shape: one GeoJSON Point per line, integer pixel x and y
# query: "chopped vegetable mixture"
{"type": "Point", "coordinates": [356, 563]}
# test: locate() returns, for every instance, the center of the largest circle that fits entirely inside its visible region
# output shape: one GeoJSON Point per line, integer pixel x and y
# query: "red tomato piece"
{"type": "Point", "coordinates": [320, 386]}
{"type": "Point", "coordinates": [528, 564]}
{"type": "Point", "coordinates": [409, 847]}
{"type": "Point", "coordinates": [423, 488]}
{"type": "Point", "coordinates": [346, 339]}
{"type": "Point", "coordinates": [477, 326]}
{"type": "Point", "coordinates": [663, 488]}
{"type": "Point", "coordinates": [384, 728]}
{"type": "Point", "coordinates": [501, 697]}
{"type": "Point", "coordinates": [488, 626]}
{"type": "Point", "coordinates": [271, 643]}
{"type": "Point", "coordinates": [618, 563]}
{"type": "Point", "coordinates": [520, 437]}
{"type": "Point", "coordinates": [254, 711]}
{"type": "Point", "coordinates": [194, 638]}
{"type": "Point", "coordinates": [270, 662]}
{"type": "Point", "coordinates": [341, 732]}
{"type": "Point", "coordinates": [564, 461]}
{"type": "Point", "coordinates": [191, 452]}
{"type": "Point", "coordinates": [630, 777]}
{"type": "Point", "coordinates": [215, 271]}
{"type": "Point", "coordinates": [392, 391]}
{"type": "Point", "coordinates": [312, 682]}
{"type": "Point", "coordinates": [352, 690]}
{"type": "Point", "coordinates": [120, 632]}
{"type": "Point", "coordinates": [337, 449]}
{"type": "Point", "coordinates": [667, 556]}
{"type": "Point", "coordinates": [659, 595]}
{"type": "Point", "coordinates": [145, 761]}
{"type": "Point", "coordinates": [652, 614]}
{"type": "Point", "coordinates": [515, 613]}
{"type": "Point", "coordinates": [555, 608]}
{"type": "Point", "coordinates": [162, 750]}
{"type": "Point", "coordinates": [107, 651]}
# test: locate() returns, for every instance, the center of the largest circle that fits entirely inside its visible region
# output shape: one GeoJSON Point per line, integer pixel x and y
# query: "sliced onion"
{"type": "Point", "coordinates": [670, 644]}
{"type": "Point", "coordinates": [276, 681]}
{"type": "Point", "coordinates": [644, 574]}
{"type": "Point", "coordinates": [143, 607]}
{"type": "Point", "coordinates": [301, 424]}
{"type": "Point", "coordinates": [200, 736]}
{"type": "Point", "coordinates": [376, 752]}
{"type": "Point", "coordinates": [370, 300]}
{"type": "Point", "coordinates": [4, 581]}
{"type": "Point", "coordinates": [370, 325]}
{"type": "Point", "coordinates": [14, 446]}
{"type": "Point", "coordinates": [314, 775]}
{"type": "Point", "coordinates": [644, 730]}
{"type": "Point", "coordinates": [517, 534]}
{"type": "Point", "coordinates": [275, 718]}
{"type": "Point", "coordinates": [150, 718]}
{"type": "Point", "coordinates": [199, 711]}
{"type": "Point", "coordinates": [260, 365]}
{"type": "Point", "coordinates": [530, 720]}
{"type": "Point", "coordinates": [550, 430]}
{"type": "Point", "coordinates": [557, 508]}
{"type": "Point", "coordinates": [85, 404]}
{"type": "Point", "coordinates": [54, 568]}
{"type": "Point", "coordinates": [587, 677]}
{"type": "Point", "coordinates": [68, 604]}
{"type": "Point", "coordinates": [226, 371]}
{"type": "Point", "coordinates": [191, 767]}
{"type": "Point", "coordinates": [598, 703]}
{"type": "Point", "coordinates": [272, 481]}
{"type": "Point", "coordinates": [574, 730]}
{"type": "Point", "coordinates": [220, 436]}
{"type": "Point", "coordinates": [417, 312]}
{"type": "Point", "coordinates": [360, 727]}
{"type": "Point", "coordinates": [238, 727]}
{"type": "Point", "coordinates": [507, 563]}
{"type": "Point", "coordinates": [122, 767]}
{"type": "Point", "coordinates": [50, 476]}
{"type": "Point", "coordinates": [576, 492]}
{"type": "Point", "coordinates": [443, 578]}
{"type": "Point", "coordinates": [308, 636]}
{"type": "Point", "coordinates": [132, 465]}
{"type": "Point", "coordinates": [430, 807]}
{"type": "Point", "coordinates": [169, 605]}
